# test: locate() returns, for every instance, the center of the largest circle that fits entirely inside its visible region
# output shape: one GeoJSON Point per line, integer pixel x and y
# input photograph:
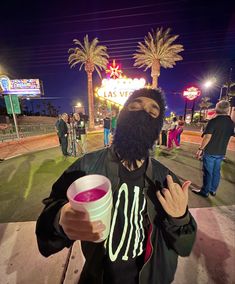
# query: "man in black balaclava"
{"type": "Point", "coordinates": [150, 222]}
{"type": "Point", "coordinates": [139, 125]}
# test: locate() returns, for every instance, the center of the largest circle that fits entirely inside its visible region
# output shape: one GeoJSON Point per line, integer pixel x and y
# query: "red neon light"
{"type": "Point", "coordinates": [192, 93]}
{"type": "Point", "coordinates": [114, 70]}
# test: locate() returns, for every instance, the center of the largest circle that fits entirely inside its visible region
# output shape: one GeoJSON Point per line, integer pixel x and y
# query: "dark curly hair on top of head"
{"type": "Point", "coordinates": [156, 94]}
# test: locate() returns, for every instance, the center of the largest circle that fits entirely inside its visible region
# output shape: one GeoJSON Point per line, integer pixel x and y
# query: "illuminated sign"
{"type": "Point", "coordinates": [119, 90]}
{"type": "Point", "coordinates": [114, 70]}
{"type": "Point", "coordinates": [192, 93]}
{"type": "Point", "coordinates": [4, 84]}
{"type": "Point", "coordinates": [20, 87]}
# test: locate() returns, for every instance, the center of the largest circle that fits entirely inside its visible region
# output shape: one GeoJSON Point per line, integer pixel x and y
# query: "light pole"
{"type": "Point", "coordinates": [221, 92]}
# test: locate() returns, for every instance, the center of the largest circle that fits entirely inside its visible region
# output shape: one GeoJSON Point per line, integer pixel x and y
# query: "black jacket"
{"type": "Point", "coordinates": [62, 128]}
{"type": "Point", "coordinates": [170, 237]}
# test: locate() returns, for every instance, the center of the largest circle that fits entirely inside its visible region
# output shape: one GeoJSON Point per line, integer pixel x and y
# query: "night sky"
{"type": "Point", "coordinates": [35, 37]}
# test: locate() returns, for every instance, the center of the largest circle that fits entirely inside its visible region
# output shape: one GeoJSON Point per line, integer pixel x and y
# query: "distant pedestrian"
{"type": "Point", "coordinates": [56, 127]}
{"type": "Point", "coordinates": [172, 136]}
{"type": "Point", "coordinates": [213, 147]}
{"type": "Point", "coordinates": [180, 128]}
{"type": "Point", "coordinates": [163, 135]}
{"type": "Point", "coordinates": [113, 122]}
{"type": "Point", "coordinates": [164, 131]}
{"type": "Point", "coordinates": [80, 128]}
{"type": "Point", "coordinates": [107, 127]}
{"type": "Point", "coordinates": [63, 133]}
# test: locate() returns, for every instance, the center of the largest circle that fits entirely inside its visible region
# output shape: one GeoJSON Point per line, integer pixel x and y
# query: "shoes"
{"type": "Point", "coordinates": [212, 193]}
{"type": "Point", "coordinates": [199, 192]}
{"type": "Point", "coordinates": [177, 147]}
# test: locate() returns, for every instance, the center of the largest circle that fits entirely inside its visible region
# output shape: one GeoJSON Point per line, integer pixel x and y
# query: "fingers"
{"type": "Point", "coordinates": [77, 226]}
{"type": "Point", "coordinates": [160, 197]}
{"type": "Point", "coordinates": [186, 185]}
{"type": "Point", "coordinates": [174, 188]}
{"type": "Point", "coordinates": [72, 214]}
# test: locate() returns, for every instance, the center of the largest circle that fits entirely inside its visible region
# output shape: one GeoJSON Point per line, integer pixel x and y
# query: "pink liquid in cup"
{"type": "Point", "coordinates": [90, 195]}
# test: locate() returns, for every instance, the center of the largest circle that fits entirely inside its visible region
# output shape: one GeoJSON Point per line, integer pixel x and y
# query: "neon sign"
{"type": "Point", "coordinates": [119, 90]}
{"type": "Point", "coordinates": [114, 70]}
{"type": "Point", "coordinates": [192, 93]}
{"type": "Point", "coordinates": [21, 87]}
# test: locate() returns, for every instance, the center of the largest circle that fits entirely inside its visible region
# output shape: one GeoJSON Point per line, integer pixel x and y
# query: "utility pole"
{"type": "Point", "coordinates": [14, 117]}
{"type": "Point", "coordinates": [229, 83]}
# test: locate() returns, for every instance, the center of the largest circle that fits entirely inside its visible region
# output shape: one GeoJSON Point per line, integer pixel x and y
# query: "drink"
{"type": "Point", "coordinates": [90, 195]}
{"type": "Point", "coordinates": [93, 194]}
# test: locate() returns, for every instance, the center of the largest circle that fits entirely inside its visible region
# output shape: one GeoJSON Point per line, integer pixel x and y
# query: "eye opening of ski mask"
{"type": "Point", "coordinates": [137, 131]}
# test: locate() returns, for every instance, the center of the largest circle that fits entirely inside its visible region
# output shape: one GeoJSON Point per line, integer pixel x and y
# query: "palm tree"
{"type": "Point", "coordinates": [204, 105]}
{"type": "Point", "coordinates": [93, 57]}
{"type": "Point", "coordinates": [230, 92]}
{"type": "Point", "coordinates": [158, 51]}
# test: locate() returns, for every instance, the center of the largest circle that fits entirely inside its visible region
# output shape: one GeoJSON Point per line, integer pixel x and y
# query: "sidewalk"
{"type": "Point", "coordinates": [212, 260]}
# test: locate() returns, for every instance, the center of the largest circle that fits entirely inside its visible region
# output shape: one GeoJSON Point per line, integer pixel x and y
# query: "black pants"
{"type": "Point", "coordinates": [64, 145]}
{"type": "Point", "coordinates": [164, 138]}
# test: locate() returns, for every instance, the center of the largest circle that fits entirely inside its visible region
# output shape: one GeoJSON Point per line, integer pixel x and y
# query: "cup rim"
{"type": "Point", "coordinates": [84, 204]}
{"type": "Point", "coordinates": [89, 202]}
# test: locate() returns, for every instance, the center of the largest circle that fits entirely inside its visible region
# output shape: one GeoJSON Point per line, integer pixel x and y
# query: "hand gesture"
{"type": "Point", "coordinates": [199, 154]}
{"type": "Point", "coordinates": [174, 199]}
{"type": "Point", "coordinates": [77, 226]}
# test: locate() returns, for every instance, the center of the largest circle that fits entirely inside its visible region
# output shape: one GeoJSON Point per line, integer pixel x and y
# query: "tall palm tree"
{"type": "Point", "coordinates": [158, 51]}
{"type": "Point", "coordinates": [93, 57]}
{"type": "Point", "coordinates": [204, 105]}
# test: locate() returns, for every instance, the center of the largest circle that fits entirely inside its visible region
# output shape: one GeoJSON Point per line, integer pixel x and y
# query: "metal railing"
{"type": "Point", "coordinates": [25, 130]}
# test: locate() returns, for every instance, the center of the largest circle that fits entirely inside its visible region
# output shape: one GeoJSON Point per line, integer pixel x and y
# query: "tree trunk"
{"type": "Point", "coordinates": [155, 73]}
{"type": "Point", "coordinates": [155, 82]}
{"type": "Point", "coordinates": [90, 101]}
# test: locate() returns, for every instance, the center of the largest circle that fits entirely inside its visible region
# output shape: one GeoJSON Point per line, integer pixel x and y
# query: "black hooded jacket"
{"type": "Point", "coordinates": [170, 237]}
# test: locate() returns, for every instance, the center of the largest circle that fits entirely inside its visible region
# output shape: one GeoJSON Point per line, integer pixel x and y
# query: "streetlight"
{"type": "Point", "coordinates": [209, 83]}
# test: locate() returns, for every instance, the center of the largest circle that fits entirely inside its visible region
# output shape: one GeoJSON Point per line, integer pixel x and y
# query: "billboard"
{"type": "Point", "coordinates": [21, 87]}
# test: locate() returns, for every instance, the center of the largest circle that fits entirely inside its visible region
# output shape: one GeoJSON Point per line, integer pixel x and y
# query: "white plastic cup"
{"type": "Point", "coordinates": [98, 210]}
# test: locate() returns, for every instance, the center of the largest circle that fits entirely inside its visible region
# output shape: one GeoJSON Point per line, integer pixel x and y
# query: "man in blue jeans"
{"type": "Point", "coordinates": [107, 128]}
{"type": "Point", "coordinates": [214, 144]}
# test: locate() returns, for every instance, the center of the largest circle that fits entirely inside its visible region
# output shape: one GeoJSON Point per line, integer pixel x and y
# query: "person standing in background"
{"type": "Point", "coordinates": [214, 144]}
{"type": "Point", "coordinates": [180, 128]}
{"type": "Point", "coordinates": [113, 122]}
{"type": "Point", "coordinates": [107, 127]}
{"type": "Point", "coordinates": [63, 133]}
{"type": "Point", "coordinates": [56, 127]}
{"type": "Point", "coordinates": [80, 127]}
{"type": "Point", "coordinates": [172, 134]}
{"type": "Point", "coordinates": [164, 131]}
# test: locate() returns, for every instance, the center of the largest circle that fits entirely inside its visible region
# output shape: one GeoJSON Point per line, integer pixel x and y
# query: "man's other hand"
{"type": "Point", "coordinates": [174, 199]}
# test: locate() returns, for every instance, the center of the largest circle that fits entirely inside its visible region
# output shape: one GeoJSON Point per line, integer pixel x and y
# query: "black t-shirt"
{"type": "Point", "coordinates": [221, 128]}
{"type": "Point", "coordinates": [107, 122]}
{"type": "Point", "coordinates": [127, 240]}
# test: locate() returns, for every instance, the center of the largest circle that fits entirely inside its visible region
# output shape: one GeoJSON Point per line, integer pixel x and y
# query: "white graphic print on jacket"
{"type": "Point", "coordinates": [127, 234]}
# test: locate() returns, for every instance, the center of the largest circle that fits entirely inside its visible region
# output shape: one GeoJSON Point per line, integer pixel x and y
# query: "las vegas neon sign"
{"type": "Point", "coordinates": [119, 90]}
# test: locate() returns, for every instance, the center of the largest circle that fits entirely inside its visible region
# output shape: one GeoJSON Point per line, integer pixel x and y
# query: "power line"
{"type": "Point", "coordinates": [124, 41]}
{"type": "Point", "coordinates": [114, 10]}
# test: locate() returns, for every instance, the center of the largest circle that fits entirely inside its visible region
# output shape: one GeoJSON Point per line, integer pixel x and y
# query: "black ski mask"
{"type": "Point", "coordinates": [137, 131]}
